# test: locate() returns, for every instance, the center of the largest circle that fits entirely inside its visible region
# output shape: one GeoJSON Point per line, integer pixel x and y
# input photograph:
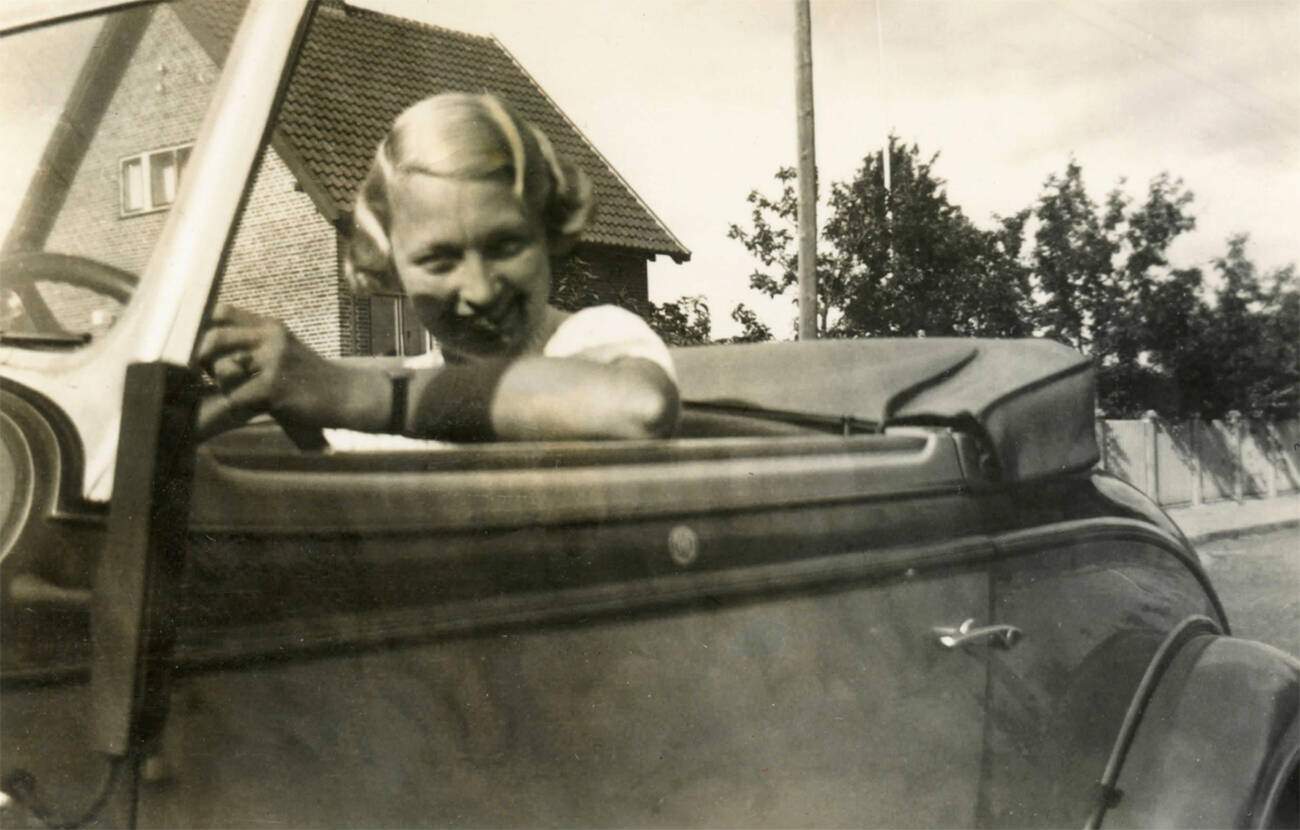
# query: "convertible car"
{"type": "Point", "coordinates": [869, 583]}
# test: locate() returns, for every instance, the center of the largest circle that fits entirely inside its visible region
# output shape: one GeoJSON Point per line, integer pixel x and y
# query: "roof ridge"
{"type": "Point", "coordinates": [642, 202]}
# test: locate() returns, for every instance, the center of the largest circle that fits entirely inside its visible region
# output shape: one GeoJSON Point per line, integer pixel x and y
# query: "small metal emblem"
{"type": "Point", "coordinates": [683, 545]}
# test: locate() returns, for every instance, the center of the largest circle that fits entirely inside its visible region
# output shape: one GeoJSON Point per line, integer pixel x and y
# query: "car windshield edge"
{"type": "Point", "coordinates": [162, 320]}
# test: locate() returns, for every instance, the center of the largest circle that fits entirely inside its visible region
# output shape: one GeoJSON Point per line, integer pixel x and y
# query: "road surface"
{"type": "Point", "coordinates": [1258, 579]}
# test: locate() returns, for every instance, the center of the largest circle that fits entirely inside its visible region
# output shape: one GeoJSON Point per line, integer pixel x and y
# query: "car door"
{"type": "Point", "coordinates": [695, 662]}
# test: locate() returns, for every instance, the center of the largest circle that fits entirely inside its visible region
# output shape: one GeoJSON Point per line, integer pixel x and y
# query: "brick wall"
{"type": "Point", "coordinates": [354, 311]}
{"type": "Point", "coordinates": [149, 109]}
{"type": "Point", "coordinates": [284, 260]}
{"type": "Point", "coordinates": [617, 271]}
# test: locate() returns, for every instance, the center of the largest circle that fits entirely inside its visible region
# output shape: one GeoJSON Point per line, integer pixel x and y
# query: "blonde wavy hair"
{"type": "Point", "coordinates": [460, 135]}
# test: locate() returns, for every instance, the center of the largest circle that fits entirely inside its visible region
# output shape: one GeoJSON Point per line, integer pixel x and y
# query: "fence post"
{"type": "Point", "coordinates": [1194, 437]}
{"type": "Point", "coordinates": [1149, 446]}
{"type": "Point", "coordinates": [1099, 421]}
{"type": "Point", "coordinates": [1238, 465]}
{"type": "Point", "coordinates": [1272, 452]}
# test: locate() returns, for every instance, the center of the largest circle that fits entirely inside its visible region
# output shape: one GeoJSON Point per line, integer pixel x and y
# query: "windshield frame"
{"type": "Point", "coordinates": [28, 14]}
{"type": "Point", "coordinates": [163, 320]}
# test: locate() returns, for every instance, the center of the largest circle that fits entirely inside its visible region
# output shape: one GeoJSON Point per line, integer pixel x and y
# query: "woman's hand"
{"type": "Point", "coordinates": [261, 366]}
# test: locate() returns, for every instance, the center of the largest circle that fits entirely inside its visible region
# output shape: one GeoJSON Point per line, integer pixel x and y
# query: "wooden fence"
{"type": "Point", "coordinates": [1196, 462]}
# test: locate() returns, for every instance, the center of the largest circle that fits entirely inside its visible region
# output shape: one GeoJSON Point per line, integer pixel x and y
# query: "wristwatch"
{"type": "Point", "coordinates": [400, 382]}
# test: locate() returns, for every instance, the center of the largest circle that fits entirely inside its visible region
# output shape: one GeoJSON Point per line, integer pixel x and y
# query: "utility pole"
{"type": "Point", "coordinates": [887, 154]}
{"type": "Point", "coordinates": [807, 172]}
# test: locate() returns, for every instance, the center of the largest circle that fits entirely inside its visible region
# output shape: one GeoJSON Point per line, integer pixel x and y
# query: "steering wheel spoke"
{"type": "Point", "coordinates": [22, 273]}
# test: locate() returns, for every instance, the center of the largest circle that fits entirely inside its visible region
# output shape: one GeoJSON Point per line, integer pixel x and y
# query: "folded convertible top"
{"type": "Point", "coordinates": [1031, 401]}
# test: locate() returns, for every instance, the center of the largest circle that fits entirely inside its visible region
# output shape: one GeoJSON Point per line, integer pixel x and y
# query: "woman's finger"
{"type": "Point", "coordinates": [217, 414]}
{"type": "Point", "coordinates": [226, 339]}
{"type": "Point", "coordinates": [214, 412]}
{"type": "Point", "coordinates": [233, 368]}
{"type": "Point", "coordinates": [229, 315]}
{"type": "Point", "coordinates": [252, 395]}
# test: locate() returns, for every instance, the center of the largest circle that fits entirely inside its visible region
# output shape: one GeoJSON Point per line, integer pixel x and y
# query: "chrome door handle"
{"type": "Point", "coordinates": [1003, 636]}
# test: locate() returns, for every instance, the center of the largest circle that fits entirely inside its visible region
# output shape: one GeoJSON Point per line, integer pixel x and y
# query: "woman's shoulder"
{"type": "Point", "coordinates": [606, 333]}
{"type": "Point", "coordinates": [605, 315]}
{"type": "Point", "coordinates": [595, 324]}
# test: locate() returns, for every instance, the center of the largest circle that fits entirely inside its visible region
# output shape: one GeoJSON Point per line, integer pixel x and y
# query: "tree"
{"type": "Point", "coordinates": [1072, 261]}
{"type": "Point", "coordinates": [1097, 277]}
{"type": "Point", "coordinates": [894, 263]}
{"type": "Point", "coordinates": [773, 224]}
{"type": "Point", "coordinates": [753, 330]}
{"type": "Point", "coordinates": [1251, 337]}
{"type": "Point", "coordinates": [1177, 376]}
{"type": "Point", "coordinates": [1280, 349]}
{"type": "Point", "coordinates": [1105, 286]}
{"type": "Point", "coordinates": [682, 322]}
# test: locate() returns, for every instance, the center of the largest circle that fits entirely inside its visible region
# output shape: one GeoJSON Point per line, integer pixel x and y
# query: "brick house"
{"type": "Point", "coordinates": [140, 97]}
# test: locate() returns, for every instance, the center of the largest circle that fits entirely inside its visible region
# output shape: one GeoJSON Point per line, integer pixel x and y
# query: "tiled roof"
{"type": "Point", "coordinates": [360, 68]}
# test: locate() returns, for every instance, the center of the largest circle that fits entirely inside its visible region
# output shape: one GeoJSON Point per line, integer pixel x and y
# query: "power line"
{"type": "Point", "coordinates": [1207, 82]}
{"type": "Point", "coordinates": [1247, 88]}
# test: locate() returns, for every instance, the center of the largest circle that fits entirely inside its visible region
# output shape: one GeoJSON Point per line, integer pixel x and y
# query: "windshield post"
{"type": "Point", "coordinates": [179, 280]}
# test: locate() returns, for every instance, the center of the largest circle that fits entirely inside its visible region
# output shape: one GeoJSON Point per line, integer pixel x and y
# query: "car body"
{"type": "Point", "coordinates": [870, 583]}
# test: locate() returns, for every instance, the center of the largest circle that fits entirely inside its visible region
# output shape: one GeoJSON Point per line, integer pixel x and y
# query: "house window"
{"type": "Point", "coordinates": [394, 327]}
{"type": "Point", "coordinates": [149, 180]}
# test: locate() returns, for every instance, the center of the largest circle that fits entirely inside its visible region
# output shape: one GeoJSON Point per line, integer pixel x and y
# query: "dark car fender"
{"type": "Point", "coordinates": [1218, 742]}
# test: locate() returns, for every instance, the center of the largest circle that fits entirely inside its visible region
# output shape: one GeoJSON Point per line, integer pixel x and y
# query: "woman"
{"type": "Point", "coordinates": [463, 210]}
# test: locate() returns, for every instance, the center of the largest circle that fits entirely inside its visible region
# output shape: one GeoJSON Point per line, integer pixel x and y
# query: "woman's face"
{"type": "Point", "coordinates": [474, 262]}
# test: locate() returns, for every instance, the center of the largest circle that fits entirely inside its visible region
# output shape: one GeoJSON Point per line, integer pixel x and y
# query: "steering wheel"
{"type": "Point", "coordinates": [21, 273]}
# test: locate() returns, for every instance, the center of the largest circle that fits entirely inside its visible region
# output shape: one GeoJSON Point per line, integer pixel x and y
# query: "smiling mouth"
{"type": "Point", "coordinates": [498, 326]}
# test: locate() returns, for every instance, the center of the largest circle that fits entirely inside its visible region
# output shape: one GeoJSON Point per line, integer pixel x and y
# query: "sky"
{"type": "Point", "coordinates": [693, 103]}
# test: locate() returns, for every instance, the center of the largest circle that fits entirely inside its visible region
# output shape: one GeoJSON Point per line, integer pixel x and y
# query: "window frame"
{"type": "Point", "coordinates": [400, 301]}
{"type": "Point", "coordinates": [179, 153]}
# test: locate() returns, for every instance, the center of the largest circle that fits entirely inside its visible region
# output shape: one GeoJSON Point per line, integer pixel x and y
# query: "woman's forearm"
{"type": "Point", "coordinates": [531, 398]}
{"type": "Point", "coordinates": [541, 398]}
{"type": "Point", "coordinates": [556, 398]}
{"type": "Point", "coordinates": [358, 398]}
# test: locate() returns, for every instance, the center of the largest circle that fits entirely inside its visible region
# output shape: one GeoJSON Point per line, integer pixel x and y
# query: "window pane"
{"type": "Point", "coordinates": [383, 326]}
{"type": "Point", "coordinates": [162, 174]}
{"type": "Point", "coordinates": [81, 116]}
{"type": "Point", "coordinates": [413, 337]}
{"type": "Point", "coordinates": [132, 185]}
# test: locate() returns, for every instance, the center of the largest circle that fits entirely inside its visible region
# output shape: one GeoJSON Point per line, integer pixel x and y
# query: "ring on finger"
{"type": "Point", "coordinates": [244, 360]}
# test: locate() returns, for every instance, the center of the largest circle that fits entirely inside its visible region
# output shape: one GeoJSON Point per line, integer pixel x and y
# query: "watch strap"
{"type": "Point", "coordinates": [400, 383]}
